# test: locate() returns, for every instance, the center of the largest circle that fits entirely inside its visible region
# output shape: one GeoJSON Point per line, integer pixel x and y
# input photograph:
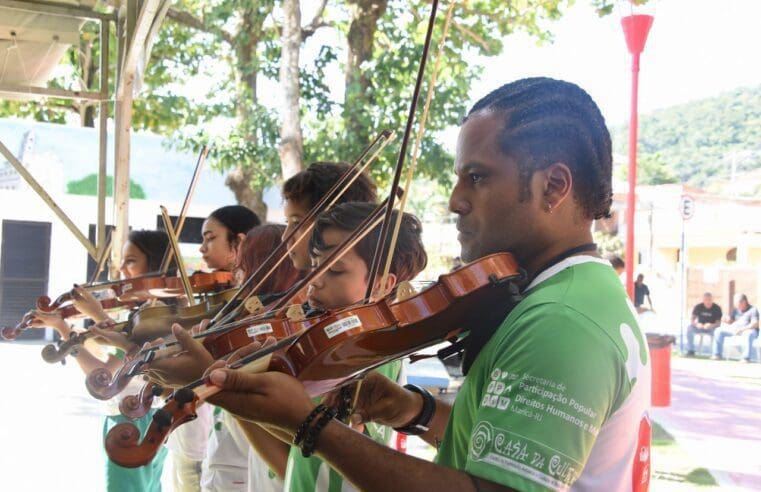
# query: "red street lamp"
{"type": "Point", "coordinates": [636, 28]}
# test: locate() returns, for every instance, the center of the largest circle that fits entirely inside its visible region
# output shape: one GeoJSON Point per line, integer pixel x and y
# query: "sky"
{"type": "Point", "coordinates": [696, 49]}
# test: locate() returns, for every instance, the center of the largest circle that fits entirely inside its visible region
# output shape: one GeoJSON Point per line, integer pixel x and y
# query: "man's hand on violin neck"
{"type": "Point", "coordinates": [385, 402]}
{"type": "Point", "coordinates": [271, 398]}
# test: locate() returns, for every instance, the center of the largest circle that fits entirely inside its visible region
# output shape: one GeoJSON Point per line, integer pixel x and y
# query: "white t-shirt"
{"type": "Point", "coordinates": [191, 440]}
{"type": "Point", "coordinates": [225, 467]}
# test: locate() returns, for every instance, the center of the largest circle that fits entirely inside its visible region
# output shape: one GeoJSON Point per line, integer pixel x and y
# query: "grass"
{"type": "Point", "coordinates": [672, 468]}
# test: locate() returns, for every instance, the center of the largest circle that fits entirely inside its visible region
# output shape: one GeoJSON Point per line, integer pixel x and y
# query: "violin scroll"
{"type": "Point", "coordinates": [52, 354]}
{"type": "Point", "coordinates": [99, 385]}
{"type": "Point", "coordinates": [10, 332]}
{"type": "Point", "coordinates": [44, 304]}
{"type": "Point", "coordinates": [137, 406]}
{"type": "Point", "coordinates": [123, 444]}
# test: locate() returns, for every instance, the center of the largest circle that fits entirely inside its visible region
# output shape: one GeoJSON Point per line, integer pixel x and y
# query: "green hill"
{"type": "Point", "coordinates": [700, 142]}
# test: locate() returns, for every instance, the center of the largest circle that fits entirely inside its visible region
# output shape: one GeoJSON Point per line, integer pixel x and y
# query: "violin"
{"type": "Point", "coordinates": [186, 316]}
{"type": "Point", "coordinates": [346, 344]}
{"type": "Point", "coordinates": [139, 289]}
{"type": "Point", "coordinates": [65, 312]}
{"type": "Point", "coordinates": [219, 343]}
{"type": "Point", "coordinates": [102, 385]}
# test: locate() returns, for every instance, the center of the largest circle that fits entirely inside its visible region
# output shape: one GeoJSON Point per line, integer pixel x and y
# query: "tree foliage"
{"type": "Point", "coordinates": [701, 141]}
{"type": "Point", "coordinates": [234, 47]}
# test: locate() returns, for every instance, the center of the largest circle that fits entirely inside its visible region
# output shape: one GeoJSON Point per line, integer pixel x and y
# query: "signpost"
{"type": "Point", "coordinates": [686, 210]}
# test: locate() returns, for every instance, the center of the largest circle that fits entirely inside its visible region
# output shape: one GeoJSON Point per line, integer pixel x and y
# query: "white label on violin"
{"type": "Point", "coordinates": [255, 330]}
{"type": "Point", "coordinates": [128, 286]}
{"type": "Point", "coordinates": [343, 325]}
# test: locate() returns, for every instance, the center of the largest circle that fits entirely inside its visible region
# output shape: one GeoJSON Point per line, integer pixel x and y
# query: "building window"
{"type": "Point", "coordinates": [191, 231]}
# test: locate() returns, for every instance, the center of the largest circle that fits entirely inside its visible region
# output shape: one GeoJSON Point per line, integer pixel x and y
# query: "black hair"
{"type": "Point", "coordinates": [153, 244]}
{"type": "Point", "coordinates": [409, 257]}
{"type": "Point", "coordinates": [311, 184]}
{"type": "Point", "coordinates": [616, 262]}
{"type": "Point", "coordinates": [548, 121]}
{"type": "Point", "coordinates": [237, 219]}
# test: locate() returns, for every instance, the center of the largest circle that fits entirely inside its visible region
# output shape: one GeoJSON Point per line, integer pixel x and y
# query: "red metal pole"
{"type": "Point", "coordinates": [636, 29]}
{"type": "Point", "coordinates": [631, 198]}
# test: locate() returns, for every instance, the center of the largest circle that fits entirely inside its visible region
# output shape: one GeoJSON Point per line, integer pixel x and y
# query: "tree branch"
{"type": "Point", "coordinates": [475, 37]}
{"type": "Point", "coordinates": [316, 23]}
{"type": "Point", "coordinates": [187, 19]}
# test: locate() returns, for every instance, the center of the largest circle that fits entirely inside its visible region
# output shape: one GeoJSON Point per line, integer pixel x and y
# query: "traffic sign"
{"type": "Point", "coordinates": [687, 207]}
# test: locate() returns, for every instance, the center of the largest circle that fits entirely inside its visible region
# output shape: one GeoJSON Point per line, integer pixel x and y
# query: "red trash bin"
{"type": "Point", "coordinates": [660, 363]}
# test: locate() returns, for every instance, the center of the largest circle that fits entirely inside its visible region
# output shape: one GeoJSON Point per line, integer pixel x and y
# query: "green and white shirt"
{"type": "Point", "coordinates": [558, 398]}
{"type": "Point", "coordinates": [314, 475]}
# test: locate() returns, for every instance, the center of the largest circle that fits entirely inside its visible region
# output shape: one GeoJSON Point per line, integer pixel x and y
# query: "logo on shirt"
{"type": "Point", "coordinates": [493, 397]}
{"type": "Point", "coordinates": [516, 453]}
{"type": "Point", "coordinates": [482, 437]}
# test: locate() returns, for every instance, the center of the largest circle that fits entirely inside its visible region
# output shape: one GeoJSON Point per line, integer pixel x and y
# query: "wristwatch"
{"type": "Point", "coordinates": [419, 425]}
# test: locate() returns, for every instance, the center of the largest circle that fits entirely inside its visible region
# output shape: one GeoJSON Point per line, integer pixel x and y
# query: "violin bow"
{"type": "Point", "coordinates": [177, 255]}
{"type": "Point", "coordinates": [330, 198]}
{"type": "Point", "coordinates": [178, 226]}
{"type": "Point", "coordinates": [363, 229]}
{"type": "Point", "coordinates": [379, 250]}
{"type": "Point", "coordinates": [416, 150]}
{"type": "Point", "coordinates": [102, 260]}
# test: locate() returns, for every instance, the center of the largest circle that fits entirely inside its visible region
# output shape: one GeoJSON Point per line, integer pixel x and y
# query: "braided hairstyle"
{"type": "Point", "coordinates": [548, 121]}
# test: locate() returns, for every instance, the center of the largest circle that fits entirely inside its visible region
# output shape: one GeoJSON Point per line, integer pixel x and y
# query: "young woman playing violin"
{"type": "Point", "coordinates": [197, 462]}
{"type": "Point", "coordinates": [557, 396]}
{"type": "Point", "coordinates": [223, 232]}
{"type": "Point", "coordinates": [142, 254]}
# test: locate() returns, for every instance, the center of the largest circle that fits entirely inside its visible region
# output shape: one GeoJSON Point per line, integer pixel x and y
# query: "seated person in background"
{"type": "Point", "coordinates": [640, 292]}
{"type": "Point", "coordinates": [706, 317]}
{"type": "Point", "coordinates": [743, 322]}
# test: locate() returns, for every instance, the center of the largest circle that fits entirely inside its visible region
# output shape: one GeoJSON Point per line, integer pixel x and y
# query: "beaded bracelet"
{"type": "Point", "coordinates": [310, 440]}
{"type": "Point", "coordinates": [302, 429]}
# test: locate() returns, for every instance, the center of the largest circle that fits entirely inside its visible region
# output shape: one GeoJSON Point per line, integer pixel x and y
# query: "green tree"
{"type": "Point", "coordinates": [702, 141]}
{"type": "Point", "coordinates": [89, 186]}
{"type": "Point", "coordinates": [237, 44]}
{"type": "Point", "coordinates": [651, 170]}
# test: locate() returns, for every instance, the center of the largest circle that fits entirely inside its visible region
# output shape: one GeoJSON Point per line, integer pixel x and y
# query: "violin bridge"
{"type": "Point", "coordinates": [295, 312]}
{"type": "Point", "coordinates": [404, 291]}
{"type": "Point", "coordinates": [254, 305]}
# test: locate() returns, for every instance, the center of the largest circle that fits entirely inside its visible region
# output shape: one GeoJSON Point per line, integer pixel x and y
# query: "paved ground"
{"type": "Point", "coordinates": [715, 415]}
{"type": "Point", "coordinates": [51, 429]}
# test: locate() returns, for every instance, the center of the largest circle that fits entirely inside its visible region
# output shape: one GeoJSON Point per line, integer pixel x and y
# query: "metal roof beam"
{"type": "Point", "coordinates": [53, 8]}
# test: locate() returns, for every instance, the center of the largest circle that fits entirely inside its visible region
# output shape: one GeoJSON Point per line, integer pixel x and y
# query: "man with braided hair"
{"type": "Point", "coordinates": [556, 394]}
